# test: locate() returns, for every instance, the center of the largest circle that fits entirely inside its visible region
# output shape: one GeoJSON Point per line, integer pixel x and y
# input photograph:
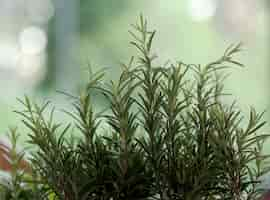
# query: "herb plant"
{"type": "Point", "coordinates": [171, 136]}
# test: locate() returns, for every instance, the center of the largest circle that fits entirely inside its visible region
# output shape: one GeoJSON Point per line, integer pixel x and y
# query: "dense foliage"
{"type": "Point", "coordinates": [168, 135]}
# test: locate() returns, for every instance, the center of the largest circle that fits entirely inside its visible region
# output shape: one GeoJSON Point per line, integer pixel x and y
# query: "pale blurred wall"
{"type": "Point", "coordinates": [23, 51]}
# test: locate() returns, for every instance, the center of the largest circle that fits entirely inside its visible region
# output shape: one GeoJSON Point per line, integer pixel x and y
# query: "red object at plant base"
{"type": "Point", "coordinates": [266, 196]}
{"type": "Point", "coordinates": [5, 160]}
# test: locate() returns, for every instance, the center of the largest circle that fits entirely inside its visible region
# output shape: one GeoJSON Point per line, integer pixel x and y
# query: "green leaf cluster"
{"type": "Point", "coordinates": [170, 135]}
{"type": "Point", "coordinates": [22, 183]}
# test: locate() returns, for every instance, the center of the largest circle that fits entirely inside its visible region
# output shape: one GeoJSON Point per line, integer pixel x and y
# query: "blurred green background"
{"type": "Point", "coordinates": [54, 41]}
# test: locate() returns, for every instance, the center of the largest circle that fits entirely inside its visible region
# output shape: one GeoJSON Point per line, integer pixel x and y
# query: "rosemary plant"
{"type": "Point", "coordinates": [172, 137]}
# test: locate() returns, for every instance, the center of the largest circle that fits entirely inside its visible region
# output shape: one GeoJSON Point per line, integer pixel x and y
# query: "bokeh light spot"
{"type": "Point", "coordinates": [201, 10]}
{"type": "Point", "coordinates": [32, 40]}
